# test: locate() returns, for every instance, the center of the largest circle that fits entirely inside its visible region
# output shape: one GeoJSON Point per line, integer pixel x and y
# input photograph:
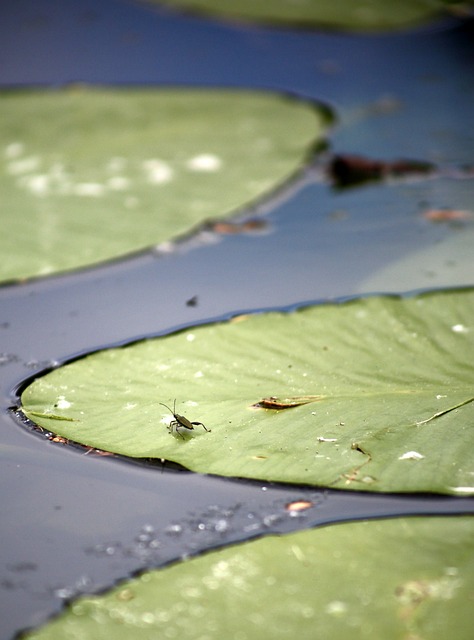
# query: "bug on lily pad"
{"type": "Point", "coordinates": [180, 424]}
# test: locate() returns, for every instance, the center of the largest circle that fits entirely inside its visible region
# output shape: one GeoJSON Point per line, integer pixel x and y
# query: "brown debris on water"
{"type": "Point", "coordinates": [349, 170]}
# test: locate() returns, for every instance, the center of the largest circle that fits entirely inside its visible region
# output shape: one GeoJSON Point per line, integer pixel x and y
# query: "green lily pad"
{"type": "Point", "coordinates": [444, 263]}
{"type": "Point", "coordinates": [374, 394]}
{"type": "Point", "coordinates": [370, 15]}
{"type": "Point", "coordinates": [391, 579]}
{"type": "Point", "coordinates": [88, 175]}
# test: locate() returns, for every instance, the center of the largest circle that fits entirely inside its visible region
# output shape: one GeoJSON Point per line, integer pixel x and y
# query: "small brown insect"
{"type": "Point", "coordinates": [181, 424]}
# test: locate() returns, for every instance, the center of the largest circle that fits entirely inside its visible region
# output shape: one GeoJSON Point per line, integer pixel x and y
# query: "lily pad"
{"type": "Point", "coordinates": [374, 394]}
{"type": "Point", "coordinates": [88, 175]}
{"type": "Point", "coordinates": [391, 579]}
{"type": "Point", "coordinates": [370, 15]}
{"type": "Point", "coordinates": [447, 261]}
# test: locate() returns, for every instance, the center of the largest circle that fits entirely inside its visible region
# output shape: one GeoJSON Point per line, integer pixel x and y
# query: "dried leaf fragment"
{"type": "Point", "coordinates": [233, 228]}
{"type": "Point", "coordinates": [448, 215]}
{"type": "Point", "coordinates": [299, 505]}
{"type": "Point", "coordinates": [273, 402]}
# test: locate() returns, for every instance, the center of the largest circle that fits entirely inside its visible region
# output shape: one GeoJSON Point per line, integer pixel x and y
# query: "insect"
{"type": "Point", "coordinates": [181, 424]}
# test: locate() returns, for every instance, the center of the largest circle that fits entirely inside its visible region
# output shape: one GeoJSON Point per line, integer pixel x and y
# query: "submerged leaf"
{"type": "Point", "coordinates": [391, 375]}
{"type": "Point", "coordinates": [87, 175]}
{"type": "Point", "coordinates": [371, 15]}
{"type": "Point", "coordinates": [390, 579]}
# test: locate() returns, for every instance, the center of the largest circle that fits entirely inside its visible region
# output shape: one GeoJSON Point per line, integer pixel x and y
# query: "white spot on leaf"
{"type": "Point", "coordinates": [459, 328]}
{"type": "Point", "coordinates": [14, 149]}
{"type": "Point", "coordinates": [38, 184]}
{"type": "Point", "coordinates": [89, 189]}
{"type": "Point", "coordinates": [118, 183]}
{"type": "Point", "coordinates": [25, 165]}
{"type": "Point", "coordinates": [336, 608]}
{"type": "Point", "coordinates": [462, 489]}
{"type": "Point", "coordinates": [157, 171]}
{"type": "Point", "coordinates": [206, 162]}
{"type": "Point", "coordinates": [62, 403]}
{"type": "Point", "coordinates": [411, 455]}
{"type": "Point", "coordinates": [116, 164]}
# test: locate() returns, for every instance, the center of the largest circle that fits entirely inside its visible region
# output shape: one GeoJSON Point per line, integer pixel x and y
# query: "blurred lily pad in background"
{"type": "Point", "coordinates": [344, 15]}
{"type": "Point", "coordinates": [391, 579]}
{"type": "Point", "coordinates": [373, 394]}
{"type": "Point", "coordinates": [91, 174]}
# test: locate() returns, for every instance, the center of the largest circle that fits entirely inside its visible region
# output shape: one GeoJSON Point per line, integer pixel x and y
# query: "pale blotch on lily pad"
{"type": "Point", "coordinates": [459, 328]}
{"type": "Point", "coordinates": [23, 165]}
{"type": "Point", "coordinates": [118, 183]}
{"type": "Point", "coordinates": [38, 184]}
{"type": "Point", "coordinates": [14, 149]}
{"type": "Point", "coordinates": [157, 171]}
{"type": "Point", "coordinates": [469, 490]}
{"type": "Point", "coordinates": [411, 455]}
{"type": "Point", "coordinates": [204, 162]}
{"type": "Point", "coordinates": [89, 189]}
{"type": "Point", "coordinates": [336, 608]}
{"type": "Point", "coordinates": [62, 403]}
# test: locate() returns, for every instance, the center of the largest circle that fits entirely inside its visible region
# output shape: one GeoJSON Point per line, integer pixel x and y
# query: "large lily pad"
{"type": "Point", "coordinates": [92, 174]}
{"type": "Point", "coordinates": [374, 394]}
{"type": "Point", "coordinates": [392, 579]}
{"type": "Point", "coordinates": [370, 15]}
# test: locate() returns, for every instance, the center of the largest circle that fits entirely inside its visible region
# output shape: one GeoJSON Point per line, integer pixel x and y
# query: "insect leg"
{"type": "Point", "coordinates": [173, 426]}
{"type": "Point", "coordinates": [202, 425]}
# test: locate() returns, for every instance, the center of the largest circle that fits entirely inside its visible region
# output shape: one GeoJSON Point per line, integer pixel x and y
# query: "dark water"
{"type": "Point", "coordinates": [75, 523]}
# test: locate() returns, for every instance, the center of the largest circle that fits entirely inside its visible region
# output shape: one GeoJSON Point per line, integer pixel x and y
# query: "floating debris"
{"type": "Point", "coordinates": [272, 402]}
{"type": "Point", "coordinates": [299, 505]}
{"type": "Point", "coordinates": [348, 170]}
{"type": "Point", "coordinates": [448, 215]}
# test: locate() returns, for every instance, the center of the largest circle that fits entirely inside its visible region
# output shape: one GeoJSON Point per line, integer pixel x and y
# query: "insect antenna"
{"type": "Point", "coordinates": [166, 406]}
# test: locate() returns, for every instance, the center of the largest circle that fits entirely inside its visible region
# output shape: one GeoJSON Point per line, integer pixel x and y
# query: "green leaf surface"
{"type": "Point", "coordinates": [446, 262]}
{"type": "Point", "coordinates": [375, 394]}
{"type": "Point", "coordinates": [391, 579]}
{"type": "Point", "coordinates": [369, 15]}
{"type": "Point", "coordinates": [87, 174]}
